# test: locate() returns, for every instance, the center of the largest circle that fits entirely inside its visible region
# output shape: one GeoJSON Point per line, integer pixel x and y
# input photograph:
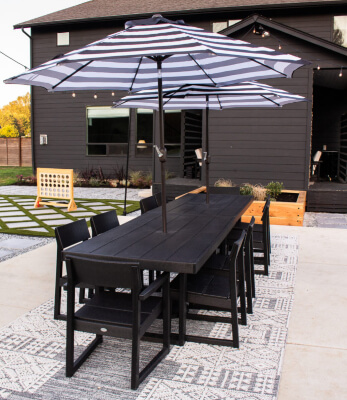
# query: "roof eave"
{"type": "Point", "coordinates": [287, 30]}
{"type": "Point", "coordinates": [29, 24]}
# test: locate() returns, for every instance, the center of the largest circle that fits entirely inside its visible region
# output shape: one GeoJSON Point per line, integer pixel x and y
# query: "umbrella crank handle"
{"type": "Point", "coordinates": [161, 153]}
{"type": "Point", "coordinates": [207, 158]}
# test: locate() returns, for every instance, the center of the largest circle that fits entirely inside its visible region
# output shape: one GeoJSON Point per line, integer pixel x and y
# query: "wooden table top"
{"type": "Point", "coordinates": [194, 231]}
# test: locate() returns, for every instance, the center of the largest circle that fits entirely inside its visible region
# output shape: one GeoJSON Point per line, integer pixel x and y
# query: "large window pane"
{"type": "Point", "coordinates": [340, 30]}
{"type": "Point", "coordinates": [172, 132]}
{"type": "Point", "coordinates": [106, 126]}
{"type": "Point", "coordinates": [144, 123]}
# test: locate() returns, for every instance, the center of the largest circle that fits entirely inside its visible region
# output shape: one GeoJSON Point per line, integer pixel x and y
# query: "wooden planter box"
{"type": "Point", "coordinates": [281, 213]}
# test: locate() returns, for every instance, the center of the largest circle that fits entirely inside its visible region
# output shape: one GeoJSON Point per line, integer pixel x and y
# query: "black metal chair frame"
{"type": "Point", "coordinates": [103, 222]}
{"type": "Point", "coordinates": [66, 236]}
{"type": "Point", "coordinates": [201, 300]}
{"type": "Point", "coordinates": [123, 315]}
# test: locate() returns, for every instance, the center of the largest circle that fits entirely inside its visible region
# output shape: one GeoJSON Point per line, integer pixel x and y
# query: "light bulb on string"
{"type": "Point", "coordinates": [112, 94]}
{"type": "Point", "coordinates": [279, 46]}
{"type": "Point", "coordinates": [340, 74]}
{"type": "Point", "coordinates": [318, 67]}
{"type": "Point", "coordinates": [95, 96]}
{"type": "Point", "coordinates": [73, 94]}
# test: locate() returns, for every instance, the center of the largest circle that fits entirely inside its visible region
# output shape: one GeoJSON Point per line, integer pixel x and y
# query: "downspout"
{"type": "Point", "coordinates": [31, 107]}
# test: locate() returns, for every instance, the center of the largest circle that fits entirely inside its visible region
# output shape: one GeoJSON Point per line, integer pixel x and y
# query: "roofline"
{"type": "Point", "coordinates": [287, 30]}
{"type": "Point", "coordinates": [180, 12]}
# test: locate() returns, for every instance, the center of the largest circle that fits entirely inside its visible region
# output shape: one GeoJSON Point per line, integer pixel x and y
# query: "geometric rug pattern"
{"type": "Point", "coordinates": [32, 352]}
{"type": "Point", "coordinates": [18, 215]}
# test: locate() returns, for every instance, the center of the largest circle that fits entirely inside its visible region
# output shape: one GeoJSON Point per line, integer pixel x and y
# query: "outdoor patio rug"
{"type": "Point", "coordinates": [32, 353]}
{"type": "Point", "coordinates": [18, 215]}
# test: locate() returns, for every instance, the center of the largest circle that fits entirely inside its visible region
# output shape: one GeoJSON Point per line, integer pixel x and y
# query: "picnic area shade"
{"type": "Point", "coordinates": [246, 94]}
{"type": "Point", "coordinates": [157, 52]}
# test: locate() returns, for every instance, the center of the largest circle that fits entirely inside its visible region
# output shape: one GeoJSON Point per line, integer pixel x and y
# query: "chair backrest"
{"type": "Point", "coordinates": [104, 222]}
{"type": "Point", "coordinates": [249, 231]}
{"type": "Point", "coordinates": [103, 273]}
{"type": "Point", "coordinates": [149, 203]}
{"type": "Point", "coordinates": [158, 198]}
{"type": "Point", "coordinates": [237, 245]}
{"type": "Point", "coordinates": [315, 159]}
{"type": "Point", "coordinates": [72, 233]}
{"type": "Point", "coordinates": [198, 153]}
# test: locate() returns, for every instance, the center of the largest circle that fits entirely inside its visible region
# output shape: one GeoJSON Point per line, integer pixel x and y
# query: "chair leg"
{"type": "Point", "coordinates": [58, 288]}
{"type": "Point", "coordinates": [249, 289]}
{"type": "Point", "coordinates": [135, 362]}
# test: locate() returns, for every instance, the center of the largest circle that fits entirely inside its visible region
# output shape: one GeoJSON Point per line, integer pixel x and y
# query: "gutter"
{"type": "Point", "coordinates": [33, 161]}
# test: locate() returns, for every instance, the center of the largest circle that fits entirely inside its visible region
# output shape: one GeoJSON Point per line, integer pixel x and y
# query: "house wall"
{"type": "Point", "coordinates": [247, 145]}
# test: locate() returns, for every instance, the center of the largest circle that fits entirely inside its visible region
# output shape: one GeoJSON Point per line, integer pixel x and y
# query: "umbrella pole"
{"type": "Point", "coordinates": [207, 158]}
{"type": "Point", "coordinates": [162, 155]}
{"type": "Point", "coordinates": [127, 168]}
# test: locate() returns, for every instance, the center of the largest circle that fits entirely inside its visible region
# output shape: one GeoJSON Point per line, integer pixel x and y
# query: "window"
{"type": "Point", "coordinates": [107, 131]}
{"type": "Point", "coordinates": [340, 30]}
{"type": "Point", "coordinates": [219, 26]}
{"type": "Point", "coordinates": [172, 132]}
{"type": "Point", "coordinates": [63, 39]}
{"type": "Point", "coordinates": [144, 142]}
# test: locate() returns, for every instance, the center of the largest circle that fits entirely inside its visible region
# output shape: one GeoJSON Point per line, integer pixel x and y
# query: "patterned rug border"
{"type": "Point", "coordinates": [32, 353]}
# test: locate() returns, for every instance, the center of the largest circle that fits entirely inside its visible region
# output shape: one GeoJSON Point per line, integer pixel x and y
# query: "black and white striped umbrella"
{"type": "Point", "coordinates": [157, 52]}
{"type": "Point", "coordinates": [245, 94]}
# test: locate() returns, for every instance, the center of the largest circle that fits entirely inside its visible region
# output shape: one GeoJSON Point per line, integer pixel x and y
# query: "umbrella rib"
{"type": "Point", "coordinates": [72, 74]}
{"type": "Point", "coordinates": [137, 70]}
{"type": "Point", "coordinates": [220, 105]}
{"type": "Point", "coordinates": [266, 66]}
{"type": "Point", "coordinates": [279, 105]}
{"type": "Point", "coordinates": [202, 69]}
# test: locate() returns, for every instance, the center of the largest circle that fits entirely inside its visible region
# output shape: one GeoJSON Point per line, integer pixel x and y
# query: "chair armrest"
{"type": "Point", "coordinates": [154, 286]}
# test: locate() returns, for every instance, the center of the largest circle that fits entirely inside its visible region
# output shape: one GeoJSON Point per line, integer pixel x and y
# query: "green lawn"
{"type": "Point", "coordinates": [8, 175]}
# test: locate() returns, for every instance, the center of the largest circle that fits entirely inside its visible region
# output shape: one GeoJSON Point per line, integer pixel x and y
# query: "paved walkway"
{"type": "Point", "coordinates": [316, 351]}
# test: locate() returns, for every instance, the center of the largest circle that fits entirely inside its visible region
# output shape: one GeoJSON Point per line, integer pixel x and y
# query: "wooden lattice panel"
{"type": "Point", "coordinates": [56, 184]}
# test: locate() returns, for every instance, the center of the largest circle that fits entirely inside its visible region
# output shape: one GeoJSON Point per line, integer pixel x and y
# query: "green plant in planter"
{"type": "Point", "coordinates": [246, 190]}
{"type": "Point", "coordinates": [274, 189]}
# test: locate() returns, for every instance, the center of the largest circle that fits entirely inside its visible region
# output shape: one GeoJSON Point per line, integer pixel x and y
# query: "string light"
{"type": "Point", "coordinates": [340, 74]}
{"type": "Point", "coordinates": [318, 67]}
{"type": "Point", "coordinates": [73, 94]}
{"type": "Point", "coordinates": [95, 96]}
{"type": "Point", "coordinates": [112, 93]}
{"type": "Point", "coordinates": [279, 46]}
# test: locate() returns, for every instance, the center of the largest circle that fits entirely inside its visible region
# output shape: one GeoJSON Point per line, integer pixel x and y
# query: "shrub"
{"type": "Point", "coordinates": [95, 182]}
{"type": "Point", "coordinates": [246, 189]}
{"type": "Point", "coordinates": [273, 189]}
{"type": "Point", "coordinates": [259, 192]}
{"type": "Point", "coordinates": [224, 183]}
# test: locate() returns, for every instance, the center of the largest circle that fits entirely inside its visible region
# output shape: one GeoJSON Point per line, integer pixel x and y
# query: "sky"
{"type": "Point", "coordinates": [16, 44]}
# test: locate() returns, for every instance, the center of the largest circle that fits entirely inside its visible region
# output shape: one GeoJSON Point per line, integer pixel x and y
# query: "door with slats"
{"type": "Point", "coordinates": [343, 150]}
{"type": "Point", "coordinates": [192, 139]}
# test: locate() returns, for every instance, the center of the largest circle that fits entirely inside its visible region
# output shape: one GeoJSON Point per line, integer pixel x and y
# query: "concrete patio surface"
{"type": "Point", "coordinates": [316, 351]}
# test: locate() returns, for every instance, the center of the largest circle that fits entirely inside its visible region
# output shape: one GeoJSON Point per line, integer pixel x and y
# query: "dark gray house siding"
{"type": "Point", "coordinates": [247, 145]}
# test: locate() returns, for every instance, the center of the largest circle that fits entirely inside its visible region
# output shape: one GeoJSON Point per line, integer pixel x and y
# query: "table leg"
{"type": "Point", "coordinates": [182, 309]}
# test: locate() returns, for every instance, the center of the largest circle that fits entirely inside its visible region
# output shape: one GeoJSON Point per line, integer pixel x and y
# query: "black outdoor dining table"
{"type": "Point", "coordinates": [194, 231]}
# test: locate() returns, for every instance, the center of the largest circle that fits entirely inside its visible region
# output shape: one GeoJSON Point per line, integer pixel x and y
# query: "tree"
{"type": "Point", "coordinates": [17, 116]}
{"type": "Point", "coordinates": [9, 131]}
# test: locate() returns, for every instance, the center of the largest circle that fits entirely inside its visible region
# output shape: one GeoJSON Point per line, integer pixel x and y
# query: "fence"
{"type": "Point", "coordinates": [15, 152]}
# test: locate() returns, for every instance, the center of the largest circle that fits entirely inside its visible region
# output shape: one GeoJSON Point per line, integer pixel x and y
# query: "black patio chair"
{"type": "Point", "coordinates": [158, 198]}
{"type": "Point", "coordinates": [66, 236]}
{"type": "Point", "coordinates": [103, 222]}
{"type": "Point", "coordinates": [216, 264]}
{"type": "Point", "coordinates": [147, 204]}
{"type": "Point", "coordinates": [208, 291]}
{"type": "Point", "coordinates": [118, 314]}
{"type": "Point", "coordinates": [261, 240]}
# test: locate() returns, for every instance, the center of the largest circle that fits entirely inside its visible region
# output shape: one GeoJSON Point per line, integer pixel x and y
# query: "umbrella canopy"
{"type": "Point", "coordinates": [190, 97]}
{"type": "Point", "coordinates": [246, 94]}
{"type": "Point", "coordinates": [156, 52]}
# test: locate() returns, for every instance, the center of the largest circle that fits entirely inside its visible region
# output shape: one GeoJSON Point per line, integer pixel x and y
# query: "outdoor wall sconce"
{"type": "Point", "coordinates": [140, 144]}
{"type": "Point", "coordinates": [43, 140]}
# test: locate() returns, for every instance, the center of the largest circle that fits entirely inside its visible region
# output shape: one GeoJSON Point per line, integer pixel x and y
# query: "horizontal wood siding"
{"type": "Point", "coordinates": [247, 145]}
